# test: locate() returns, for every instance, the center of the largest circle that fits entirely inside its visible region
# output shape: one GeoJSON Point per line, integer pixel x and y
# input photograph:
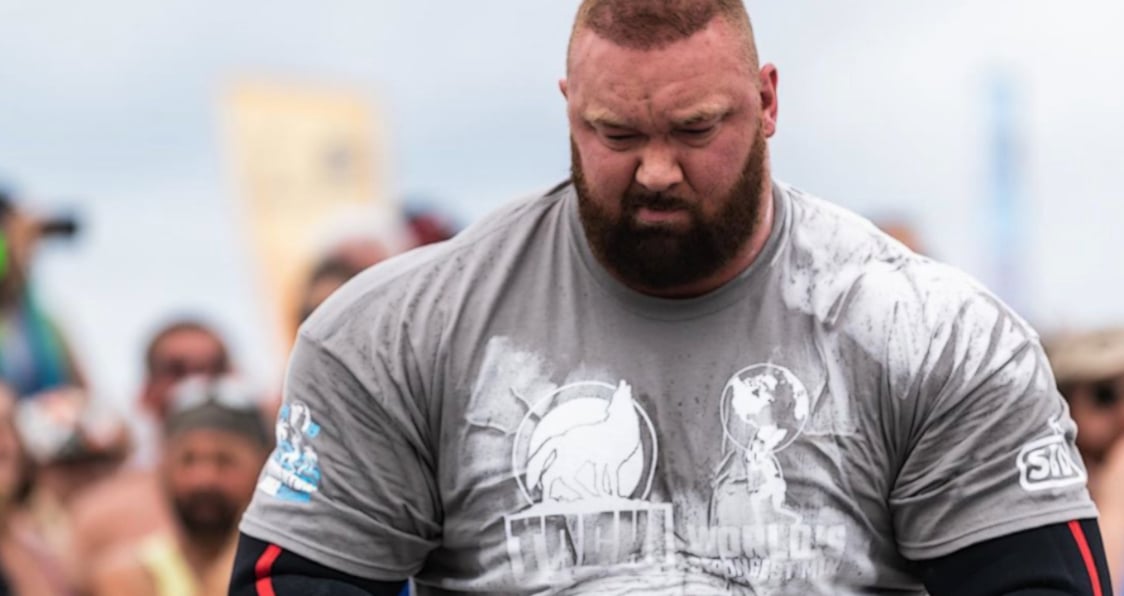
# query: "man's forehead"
{"type": "Point", "coordinates": [696, 79]}
{"type": "Point", "coordinates": [189, 342]}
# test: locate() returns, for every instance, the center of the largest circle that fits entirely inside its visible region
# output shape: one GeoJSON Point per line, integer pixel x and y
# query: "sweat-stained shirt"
{"type": "Point", "coordinates": [497, 414]}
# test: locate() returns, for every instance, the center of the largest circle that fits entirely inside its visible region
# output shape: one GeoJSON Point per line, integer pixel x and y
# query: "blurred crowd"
{"type": "Point", "coordinates": [99, 501]}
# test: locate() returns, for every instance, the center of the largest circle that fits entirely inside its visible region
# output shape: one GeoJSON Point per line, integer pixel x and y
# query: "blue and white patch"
{"type": "Point", "coordinates": [293, 471]}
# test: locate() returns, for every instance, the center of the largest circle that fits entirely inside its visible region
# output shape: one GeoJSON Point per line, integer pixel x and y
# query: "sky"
{"type": "Point", "coordinates": [111, 110]}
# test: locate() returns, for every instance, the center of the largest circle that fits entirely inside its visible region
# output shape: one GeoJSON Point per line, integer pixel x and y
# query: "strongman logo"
{"type": "Point", "coordinates": [1048, 462]}
{"type": "Point", "coordinates": [293, 471]}
{"type": "Point", "coordinates": [584, 459]}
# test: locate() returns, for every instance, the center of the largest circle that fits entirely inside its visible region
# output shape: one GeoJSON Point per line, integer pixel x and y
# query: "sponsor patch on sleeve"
{"type": "Point", "coordinates": [293, 471]}
{"type": "Point", "coordinates": [1049, 463]}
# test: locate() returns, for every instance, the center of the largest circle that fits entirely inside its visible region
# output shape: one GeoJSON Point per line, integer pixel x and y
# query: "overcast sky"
{"type": "Point", "coordinates": [112, 108]}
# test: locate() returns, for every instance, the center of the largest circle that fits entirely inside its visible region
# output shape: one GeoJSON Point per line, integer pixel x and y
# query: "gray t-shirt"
{"type": "Point", "coordinates": [497, 414]}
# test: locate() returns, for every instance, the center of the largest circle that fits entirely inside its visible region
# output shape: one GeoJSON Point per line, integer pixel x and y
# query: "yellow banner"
{"type": "Point", "coordinates": [300, 154]}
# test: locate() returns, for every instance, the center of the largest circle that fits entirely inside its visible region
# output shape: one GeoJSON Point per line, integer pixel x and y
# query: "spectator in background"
{"type": "Point", "coordinates": [130, 506]}
{"type": "Point", "coordinates": [428, 226]}
{"type": "Point", "coordinates": [34, 356]}
{"type": "Point", "coordinates": [215, 443]}
{"type": "Point", "coordinates": [26, 565]}
{"type": "Point", "coordinates": [74, 444]}
{"type": "Point", "coordinates": [1089, 368]}
{"type": "Point", "coordinates": [348, 258]}
{"type": "Point", "coordinates": [340, 264]}
{"type": "Point", "coordinates": [180, 349]}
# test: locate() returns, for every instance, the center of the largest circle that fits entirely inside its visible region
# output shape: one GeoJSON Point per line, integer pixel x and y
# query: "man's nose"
{"type": "Point", "coordinates": [659, 168]}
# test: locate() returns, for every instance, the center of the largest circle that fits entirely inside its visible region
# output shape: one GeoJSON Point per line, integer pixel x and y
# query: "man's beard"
{"type": "Point", "coordinates": [208, 517]}
{"type": "Point", "coordinates": [658, 257]}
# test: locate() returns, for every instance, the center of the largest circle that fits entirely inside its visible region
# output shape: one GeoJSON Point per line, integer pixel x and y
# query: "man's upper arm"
{"type": "Point", "coordinates": [988, 445]}
{"type": "Point", "coordinates": [350, 484]}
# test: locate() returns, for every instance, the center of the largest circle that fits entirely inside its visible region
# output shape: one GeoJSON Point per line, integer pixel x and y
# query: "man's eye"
{"type": "Point", "coordinates": [621, 137]}
{"type": "Point", "coordinates": [697, 132]}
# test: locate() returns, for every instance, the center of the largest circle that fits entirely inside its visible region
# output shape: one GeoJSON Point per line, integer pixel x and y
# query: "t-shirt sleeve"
{"type": "Point", "coordinates": [987, 442]}
{"type": "Point", "coordinates": [350, 484]}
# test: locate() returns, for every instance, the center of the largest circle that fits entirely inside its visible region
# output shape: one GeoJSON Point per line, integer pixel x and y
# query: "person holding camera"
{"type": "Point", "coordinates": [34, 356]}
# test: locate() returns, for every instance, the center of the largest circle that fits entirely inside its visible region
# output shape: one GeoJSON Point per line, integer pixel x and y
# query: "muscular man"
{"type": "Point", "coordinates": [671, 374]}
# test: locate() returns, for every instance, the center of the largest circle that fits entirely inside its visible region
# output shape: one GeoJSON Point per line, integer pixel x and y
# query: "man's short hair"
{"type": "Point", "coordinates": [178, 326]}
{"type": "Point", "coordinates": [656, 24]}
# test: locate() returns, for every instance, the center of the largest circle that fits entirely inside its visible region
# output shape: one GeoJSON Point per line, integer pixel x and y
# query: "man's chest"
{"type": "Point", "coordinates": [735, 460]}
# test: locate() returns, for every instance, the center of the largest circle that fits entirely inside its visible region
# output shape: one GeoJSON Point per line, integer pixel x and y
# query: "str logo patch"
{"type": "Point", "coordinates": [1048, 463]}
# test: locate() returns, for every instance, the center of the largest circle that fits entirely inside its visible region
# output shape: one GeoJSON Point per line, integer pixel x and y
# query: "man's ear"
{"type": "Point", "coordinates": [564, 87]}
{"type": "Point", "coordinates": [767, 86]}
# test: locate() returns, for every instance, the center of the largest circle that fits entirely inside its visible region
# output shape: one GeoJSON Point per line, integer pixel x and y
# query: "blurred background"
{"type": "Point", "coordinates": [210, 154]}
{"type": "Point", "coordinates": [992, 129]}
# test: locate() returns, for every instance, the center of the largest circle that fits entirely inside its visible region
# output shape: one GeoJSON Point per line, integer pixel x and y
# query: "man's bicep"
{"type": "Point", "coordinates": [350, 483]}
{"type": "Point", "coordinates": [991, 448]}
{"type": "Point", "coordinates": [1058, 559]}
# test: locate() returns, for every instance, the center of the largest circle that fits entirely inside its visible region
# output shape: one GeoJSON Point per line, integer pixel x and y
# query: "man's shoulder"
{"type": "Point", "coordinates": [428, 276]}
{"type": "Point", "coordinates": [856, 277]}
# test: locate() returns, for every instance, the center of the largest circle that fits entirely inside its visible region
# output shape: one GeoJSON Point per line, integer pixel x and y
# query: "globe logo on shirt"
{"type": "Point", "coordinates": [764, 407]}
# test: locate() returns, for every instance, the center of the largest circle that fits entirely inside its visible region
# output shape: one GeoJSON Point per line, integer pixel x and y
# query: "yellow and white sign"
{"type": "Point", "coordinates": [301, 155]}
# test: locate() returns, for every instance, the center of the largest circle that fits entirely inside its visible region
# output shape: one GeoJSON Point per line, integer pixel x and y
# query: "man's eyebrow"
{"type": "Point", "coordinates": [604, 118]}
{"type": "Point", "coordinates": [700, 115]}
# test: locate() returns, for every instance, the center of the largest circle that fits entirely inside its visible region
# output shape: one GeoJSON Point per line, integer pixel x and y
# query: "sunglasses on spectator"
{"type": "Point", "coordinates": [227, 392]}
{"type": "Point", "coordinates": [1104, 394]}
{"type": "Point", "coordinates": [180, 368]}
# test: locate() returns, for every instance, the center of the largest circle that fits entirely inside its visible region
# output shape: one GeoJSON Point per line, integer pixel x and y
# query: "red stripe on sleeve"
{"type": "Point", "coordinates": [1087, 555]}
{"type": "Point", "coordinates": [263, 570]}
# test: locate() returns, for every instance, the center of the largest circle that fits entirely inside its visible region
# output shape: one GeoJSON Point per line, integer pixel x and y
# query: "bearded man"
{"type": "Point", "coordinates": [460, 403]}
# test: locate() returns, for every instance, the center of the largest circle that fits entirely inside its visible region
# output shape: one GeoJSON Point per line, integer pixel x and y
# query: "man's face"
{"type": "Point", "coordinates": [180, 355]}
{"type": "Point", "coordinates": [210, 476]}
{"type": "Point", "coordinates": [669, 155]}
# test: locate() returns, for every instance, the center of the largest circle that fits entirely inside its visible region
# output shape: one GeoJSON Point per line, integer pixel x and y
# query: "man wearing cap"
{"type": "Point", "coordinates": [1089, 368]}
{"type": "Point", "coordinates": [215, 442]}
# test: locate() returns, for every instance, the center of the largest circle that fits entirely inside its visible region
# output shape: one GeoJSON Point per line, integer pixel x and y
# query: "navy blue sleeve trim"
{"type": "Point", "coordinates": [1064, 559]}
